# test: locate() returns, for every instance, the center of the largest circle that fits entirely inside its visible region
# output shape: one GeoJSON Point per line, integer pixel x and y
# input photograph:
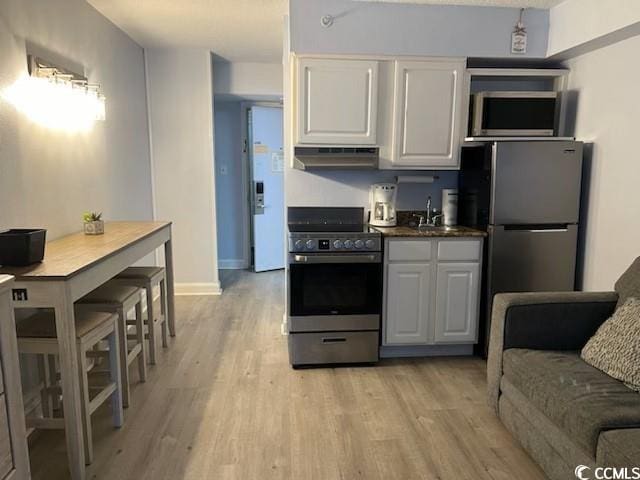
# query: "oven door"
{"type": "Point", "coordinates": [335, 292]}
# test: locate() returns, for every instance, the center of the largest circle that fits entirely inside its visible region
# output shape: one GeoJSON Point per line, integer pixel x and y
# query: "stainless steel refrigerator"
{"type": "Point", "coordinates": [526, 194]}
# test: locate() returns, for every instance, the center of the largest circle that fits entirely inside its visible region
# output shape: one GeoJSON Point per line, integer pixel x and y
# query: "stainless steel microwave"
{"type": "Point", "coordinates": [514, 114]}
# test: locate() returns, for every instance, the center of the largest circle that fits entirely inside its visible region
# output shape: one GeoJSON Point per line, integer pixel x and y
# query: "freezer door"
{"type": "Point", "coordinates": [532, 260]}
{"type": "Point", "coordinates": [535, 182]}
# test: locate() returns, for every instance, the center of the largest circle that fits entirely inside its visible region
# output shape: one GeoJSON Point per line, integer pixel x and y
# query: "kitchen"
{"type": "Point", "coordinates": [434, 155]}
{"type": "Point", "coordinates": [519, 186]}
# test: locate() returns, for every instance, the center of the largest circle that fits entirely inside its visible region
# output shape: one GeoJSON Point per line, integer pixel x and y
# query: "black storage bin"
{"type": "Point", "coordinates": [21, 246]}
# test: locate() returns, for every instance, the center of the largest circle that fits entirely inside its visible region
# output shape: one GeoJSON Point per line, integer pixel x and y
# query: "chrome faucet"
{"type": "Point", "coordinates": [431, 218]}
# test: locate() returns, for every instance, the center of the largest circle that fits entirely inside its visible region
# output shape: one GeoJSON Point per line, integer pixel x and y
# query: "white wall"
{"type": "Point", "coordinates": [409, 29]}
{"type": "Point", "coordinates": [577, 26]}
{"type": "Point", "coordinates": [48, 178]}
{"type": "Point", "coordinates": [181, 118]}
{"type": "Point", "coordinates": [233, 235]}
{"type": "Point", "coordinates": [606, 84]}
{"type": "Point", "coordinates": [248, 80]}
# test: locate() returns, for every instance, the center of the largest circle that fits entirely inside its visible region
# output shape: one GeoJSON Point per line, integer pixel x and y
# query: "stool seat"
{"type": "Point", "coordinates": [43, 325]}
{"type": "Point", "coordinates": [151, 278]}
{"type": "Point", "coordinates": [141, 272]}
{"type": "Point", "coordinates": [110, 293]}
{"type": "Point", "coordinates": [37, 336]}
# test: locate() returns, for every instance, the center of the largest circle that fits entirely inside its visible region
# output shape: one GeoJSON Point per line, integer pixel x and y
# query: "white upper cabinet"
{"type": "Point", "coordinates": [428, 112]}
{"type": "Point", "coordinates": [337, 101]}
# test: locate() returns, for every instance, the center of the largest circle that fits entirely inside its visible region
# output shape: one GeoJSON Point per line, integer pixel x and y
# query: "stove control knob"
{"type": "Point", "coordinates": [311, 244]}
{"type": "Point", "coordinates": [370, 244]}
{"type": "Point", "coordinates": [337, 244]}
{"type": "Point", "coordinates": [348, 244]}
{"type": "Point", "coordinates": [359, 244]}
{"type": "Point", "coordinates": [299, 245]}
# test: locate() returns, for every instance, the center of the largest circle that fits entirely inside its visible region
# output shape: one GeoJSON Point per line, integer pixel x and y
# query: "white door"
{"type": "Point", "coordinates": [337, 101]}
{"type": "Point", "coordinates": [428, 113]}
{"type": "Point", "coordinates": [407, 312]}
{"type": "Point", "coordinates": [267, 171]}
{"type": "Point", "coordinates": [457, 302]}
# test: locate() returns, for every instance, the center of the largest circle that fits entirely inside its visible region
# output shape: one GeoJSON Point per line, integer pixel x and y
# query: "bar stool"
{"type": "Point", "coordinates": [148, 278]}
{"type": "Point", "coordinates": [37, 335]}
{"type": "Point", "coordinates": [121, 299]}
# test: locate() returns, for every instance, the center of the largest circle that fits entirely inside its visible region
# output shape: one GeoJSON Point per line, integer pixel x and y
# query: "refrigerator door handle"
{"type": "Point", "coordinates": [551, 228]}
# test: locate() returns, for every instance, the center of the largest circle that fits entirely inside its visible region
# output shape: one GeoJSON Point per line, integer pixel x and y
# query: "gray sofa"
{"type": "Point", "coordinates": [564, 412]}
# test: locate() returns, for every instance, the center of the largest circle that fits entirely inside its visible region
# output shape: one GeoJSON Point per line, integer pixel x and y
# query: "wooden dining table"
{"type": "Point", "coordinates": [73, 266]}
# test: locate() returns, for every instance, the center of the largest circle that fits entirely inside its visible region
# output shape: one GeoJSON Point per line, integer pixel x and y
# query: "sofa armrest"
{"type": "Point", "coordinates": [543, 321]}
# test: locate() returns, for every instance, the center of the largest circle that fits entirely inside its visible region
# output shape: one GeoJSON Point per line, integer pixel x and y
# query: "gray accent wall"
{"type": "Point", "coordinates": [48, 178]}
{"type": "Point", "coordinates": [230, 204]}
{"type": "Point", "coordinates": [388, 28]}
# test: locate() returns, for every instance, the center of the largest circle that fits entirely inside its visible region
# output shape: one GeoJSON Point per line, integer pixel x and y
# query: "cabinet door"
{"type": "Point", "coordinates": [407, 312]}
{"type": "Point", "coordinates": [428, 114]}
{"type": "Point", "coordinates": [457, 292]}
{"type": "Point", "coordinates": [337, 101]}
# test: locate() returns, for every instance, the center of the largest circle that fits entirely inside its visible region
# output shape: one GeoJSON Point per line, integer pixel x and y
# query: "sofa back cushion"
{"type": "Point", "coordinates": [615, 347]}
{"type": "Point", "coordinates": [628, 285]}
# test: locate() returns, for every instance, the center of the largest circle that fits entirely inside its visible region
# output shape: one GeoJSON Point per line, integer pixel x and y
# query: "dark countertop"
{"type": "Point", "coordinates": [428, 232]}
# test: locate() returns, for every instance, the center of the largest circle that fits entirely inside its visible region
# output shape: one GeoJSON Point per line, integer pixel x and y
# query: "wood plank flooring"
{"type": "Point", "coordinates": [223, 403]}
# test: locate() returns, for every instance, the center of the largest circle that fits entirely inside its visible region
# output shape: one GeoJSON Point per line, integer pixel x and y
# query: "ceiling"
{"type": "Point", "coordinates": [480, 3]}
{"type": "Point", "coordinates": [235, 30]}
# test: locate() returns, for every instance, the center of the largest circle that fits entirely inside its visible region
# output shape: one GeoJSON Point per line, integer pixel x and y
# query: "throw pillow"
{"type": "Point", "coordinates": [615, 347]}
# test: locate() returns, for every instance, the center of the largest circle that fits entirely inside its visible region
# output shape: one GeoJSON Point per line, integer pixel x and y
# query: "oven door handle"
{"type": "Point", "coordinates": [370, 258]}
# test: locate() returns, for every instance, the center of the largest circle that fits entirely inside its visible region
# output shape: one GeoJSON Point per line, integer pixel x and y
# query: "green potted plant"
{"type": "Point", "coordinates": [93, 224]}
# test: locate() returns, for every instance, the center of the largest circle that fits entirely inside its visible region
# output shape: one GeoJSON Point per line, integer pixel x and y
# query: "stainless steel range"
{"type": "Point", "coordinates": [334, 290]}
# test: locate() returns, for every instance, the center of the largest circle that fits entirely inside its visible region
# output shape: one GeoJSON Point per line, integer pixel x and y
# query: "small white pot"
{"type": "Point", "coordinates": [94, 228]}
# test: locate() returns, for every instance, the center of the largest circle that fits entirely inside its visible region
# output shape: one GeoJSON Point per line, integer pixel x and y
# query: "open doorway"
{"type": "Point", "coordinates": [249, 184]}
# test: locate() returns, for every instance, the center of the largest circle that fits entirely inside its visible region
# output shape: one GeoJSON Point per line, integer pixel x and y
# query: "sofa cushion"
{"type": "Point", "coordinates": [619, 448]}
{"type": "Point", "coordinates": [580, 399]}
{"type": "Point", "coordinates": [628, 285]}
{"type": "Point", "coordinates": [615, 347]}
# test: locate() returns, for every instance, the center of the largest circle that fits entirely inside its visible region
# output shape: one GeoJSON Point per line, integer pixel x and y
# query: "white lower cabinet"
{"type": "Point", "coordinates": [431, 299]}
{"type": "Point", "coordinates": [406, 285]}
{"type": "Point", "coordinates": [457, 303]}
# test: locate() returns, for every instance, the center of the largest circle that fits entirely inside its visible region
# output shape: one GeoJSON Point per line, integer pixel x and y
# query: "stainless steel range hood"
{"type": "Point", "coordinates": [335, 158]}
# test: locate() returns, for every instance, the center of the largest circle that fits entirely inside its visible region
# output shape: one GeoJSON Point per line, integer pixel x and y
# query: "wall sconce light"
{"type": "Point", "coordinates": [57, 98]}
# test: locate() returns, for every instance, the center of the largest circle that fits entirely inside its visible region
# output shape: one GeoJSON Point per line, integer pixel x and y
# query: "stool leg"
{"type": "Point", "coordinates": [165, 307]}
{"type": "Point", "coordinates": [84, 404]}
{"type": "Point", "coordinates": [124, 366]}
{"type": "Point", "coordinates": [53, 376]}
{"type": "Point", "coordinates": [115, 374]}
{"type": "Point", "coordinates": [142, 364]}
{"type": "Point", "coordinates": [151, 326]}
{"type": "Point", "coordinates": [163, 311]}
{"type": "Point", "coordinates": [45, 396]}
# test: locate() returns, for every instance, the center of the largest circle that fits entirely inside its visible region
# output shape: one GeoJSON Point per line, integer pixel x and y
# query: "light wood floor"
{"type": "Point", "coordinates": [223, 403]}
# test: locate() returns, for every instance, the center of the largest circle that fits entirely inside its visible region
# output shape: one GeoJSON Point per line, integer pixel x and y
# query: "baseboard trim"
{"type": "Point", "coordinates": [232, 264]}
{"type": "Point", "coordinates": [185, 289]}
{"type": "Point", "coordinates": [396, 351]}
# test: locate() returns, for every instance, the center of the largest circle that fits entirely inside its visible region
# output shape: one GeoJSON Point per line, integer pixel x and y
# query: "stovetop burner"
{"type": "Point", "coordinates": [331, 229]}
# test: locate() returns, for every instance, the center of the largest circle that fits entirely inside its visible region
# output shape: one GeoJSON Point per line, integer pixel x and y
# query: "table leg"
{"type": "Point", "coordinates": [168, 265]}
{"type": "Point", "coordinates": [66, 332]}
